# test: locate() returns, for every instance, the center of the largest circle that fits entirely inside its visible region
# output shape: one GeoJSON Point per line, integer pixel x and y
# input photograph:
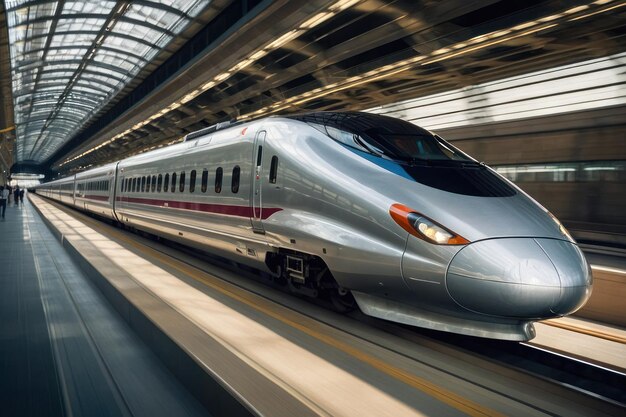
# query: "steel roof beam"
{"type": "Point", "coordinates": [79, 16]}
{"type": "Point", "coordinates": [33, 92]}
{"type": "Point", "coordinates": [95, 33]}
{"type": "Point", "coordinates": [151, 4]}
{"type": "Point", "coordinates": [102, 47]}
{"type": "Point", "coordinates": [118, 10]}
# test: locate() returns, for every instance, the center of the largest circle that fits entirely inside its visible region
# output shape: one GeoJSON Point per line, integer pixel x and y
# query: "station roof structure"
{"type": "Point", "coordinates": [96, 81]}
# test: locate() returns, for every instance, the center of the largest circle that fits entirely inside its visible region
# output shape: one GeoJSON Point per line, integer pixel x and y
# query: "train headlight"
{"type": "Point", "coordinates": [423, 227]}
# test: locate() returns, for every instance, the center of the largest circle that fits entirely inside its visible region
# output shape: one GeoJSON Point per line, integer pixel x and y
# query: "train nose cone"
{"type": "Point", "coordinates": [518, 277]}
{"type": "Point", "coordinates": [574, 274]}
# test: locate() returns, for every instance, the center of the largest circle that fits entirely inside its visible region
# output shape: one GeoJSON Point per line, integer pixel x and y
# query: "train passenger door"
{"type": "Point", "coordinates": [256, 197]}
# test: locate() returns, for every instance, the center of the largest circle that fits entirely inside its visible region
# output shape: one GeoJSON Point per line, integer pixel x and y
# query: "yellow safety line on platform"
{"type": "Point", "coordinates": [456, 401]}
{"type": "Point", "coordinates": [585, 330]}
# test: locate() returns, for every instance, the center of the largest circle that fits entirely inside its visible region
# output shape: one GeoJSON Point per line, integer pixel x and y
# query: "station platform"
{"type": "Point", "coordinates": [64, 350]}
{"type": "Point", "coordinates": [108, 325]}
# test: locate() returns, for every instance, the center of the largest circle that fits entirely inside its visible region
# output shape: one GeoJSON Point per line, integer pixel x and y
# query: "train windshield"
{"type": "Point", "coordinates": [410, 147]}
{"type": "Point", "coordinates": [384, 136]}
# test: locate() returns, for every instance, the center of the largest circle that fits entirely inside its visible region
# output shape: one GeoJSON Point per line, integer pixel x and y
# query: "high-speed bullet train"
{"type": "Point", "coordinates": [358, 207]}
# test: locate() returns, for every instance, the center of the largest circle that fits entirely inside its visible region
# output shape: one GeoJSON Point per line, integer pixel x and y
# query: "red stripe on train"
{"type": "Point", "coordinates": [241, 211]}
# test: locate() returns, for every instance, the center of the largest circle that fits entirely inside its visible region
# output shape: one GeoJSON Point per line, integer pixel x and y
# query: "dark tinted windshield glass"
{"type": "Point", "coordinates": [383, 136]}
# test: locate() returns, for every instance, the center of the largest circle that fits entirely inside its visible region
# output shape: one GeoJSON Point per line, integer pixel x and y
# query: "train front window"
{"type": "Point", "coordinates": [383, 136]}
{"type": "Point", "coordinates": [406, 146]}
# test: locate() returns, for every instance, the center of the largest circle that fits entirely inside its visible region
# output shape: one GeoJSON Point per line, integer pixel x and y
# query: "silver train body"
{"type": "Point", "coordinates": [354, 205]}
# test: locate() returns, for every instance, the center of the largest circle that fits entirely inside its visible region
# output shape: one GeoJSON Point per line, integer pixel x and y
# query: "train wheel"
{"type": "Point", "coordinates": [342, 300]}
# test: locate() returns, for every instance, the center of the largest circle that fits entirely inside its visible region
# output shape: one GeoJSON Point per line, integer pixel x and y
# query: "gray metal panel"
{"type": "Point", "coordinates": [518, 278]}
{"type": "Point", "coordinates": [574, 274]}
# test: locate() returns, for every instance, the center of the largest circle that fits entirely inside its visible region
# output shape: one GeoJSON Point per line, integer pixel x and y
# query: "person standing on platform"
{"type": "Point", "coordinates": [4, 196]}
{"type": "Point", "coordinates": [8, 187]}
{"type": "Point", "coordinates": [16, 195]}
{"type": "Point", "coordinates": [22, 196]}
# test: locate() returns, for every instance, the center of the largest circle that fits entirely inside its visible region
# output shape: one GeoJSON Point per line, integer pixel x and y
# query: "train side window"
{"type": "Point", "coordinates": [148, 179]}
{"type": "Point", "coordinates": [218, 179]}
{"type": "Point", "coordinates": [259, 156]}
{"type": "Point", "coordinates": [274, 169]}
{"type": "Point", "coordinates": [133, 185]}
{"type": "Point", "coordinates": [143, 184]}
{"type": "Point", "coordinates": [154, 180]}
{"type": "Point", "coordinates": [174, 182]}
{"type": "Point", "coordinates": [182, 182]}
{"type": "Point", "coordinates": [234, 185]}
{"type": "Point", "coordinates": [192, 181]}
{"type": "Point", "coordinates": [166, 182]}
{"type": "Point", "coordinates": [159, 183]}
{"type": "Point", "coordinates": [205, 180]}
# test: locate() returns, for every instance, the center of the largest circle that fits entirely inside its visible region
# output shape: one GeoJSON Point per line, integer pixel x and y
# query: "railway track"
{"type": "Point", "coordinates": [583, 330]}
